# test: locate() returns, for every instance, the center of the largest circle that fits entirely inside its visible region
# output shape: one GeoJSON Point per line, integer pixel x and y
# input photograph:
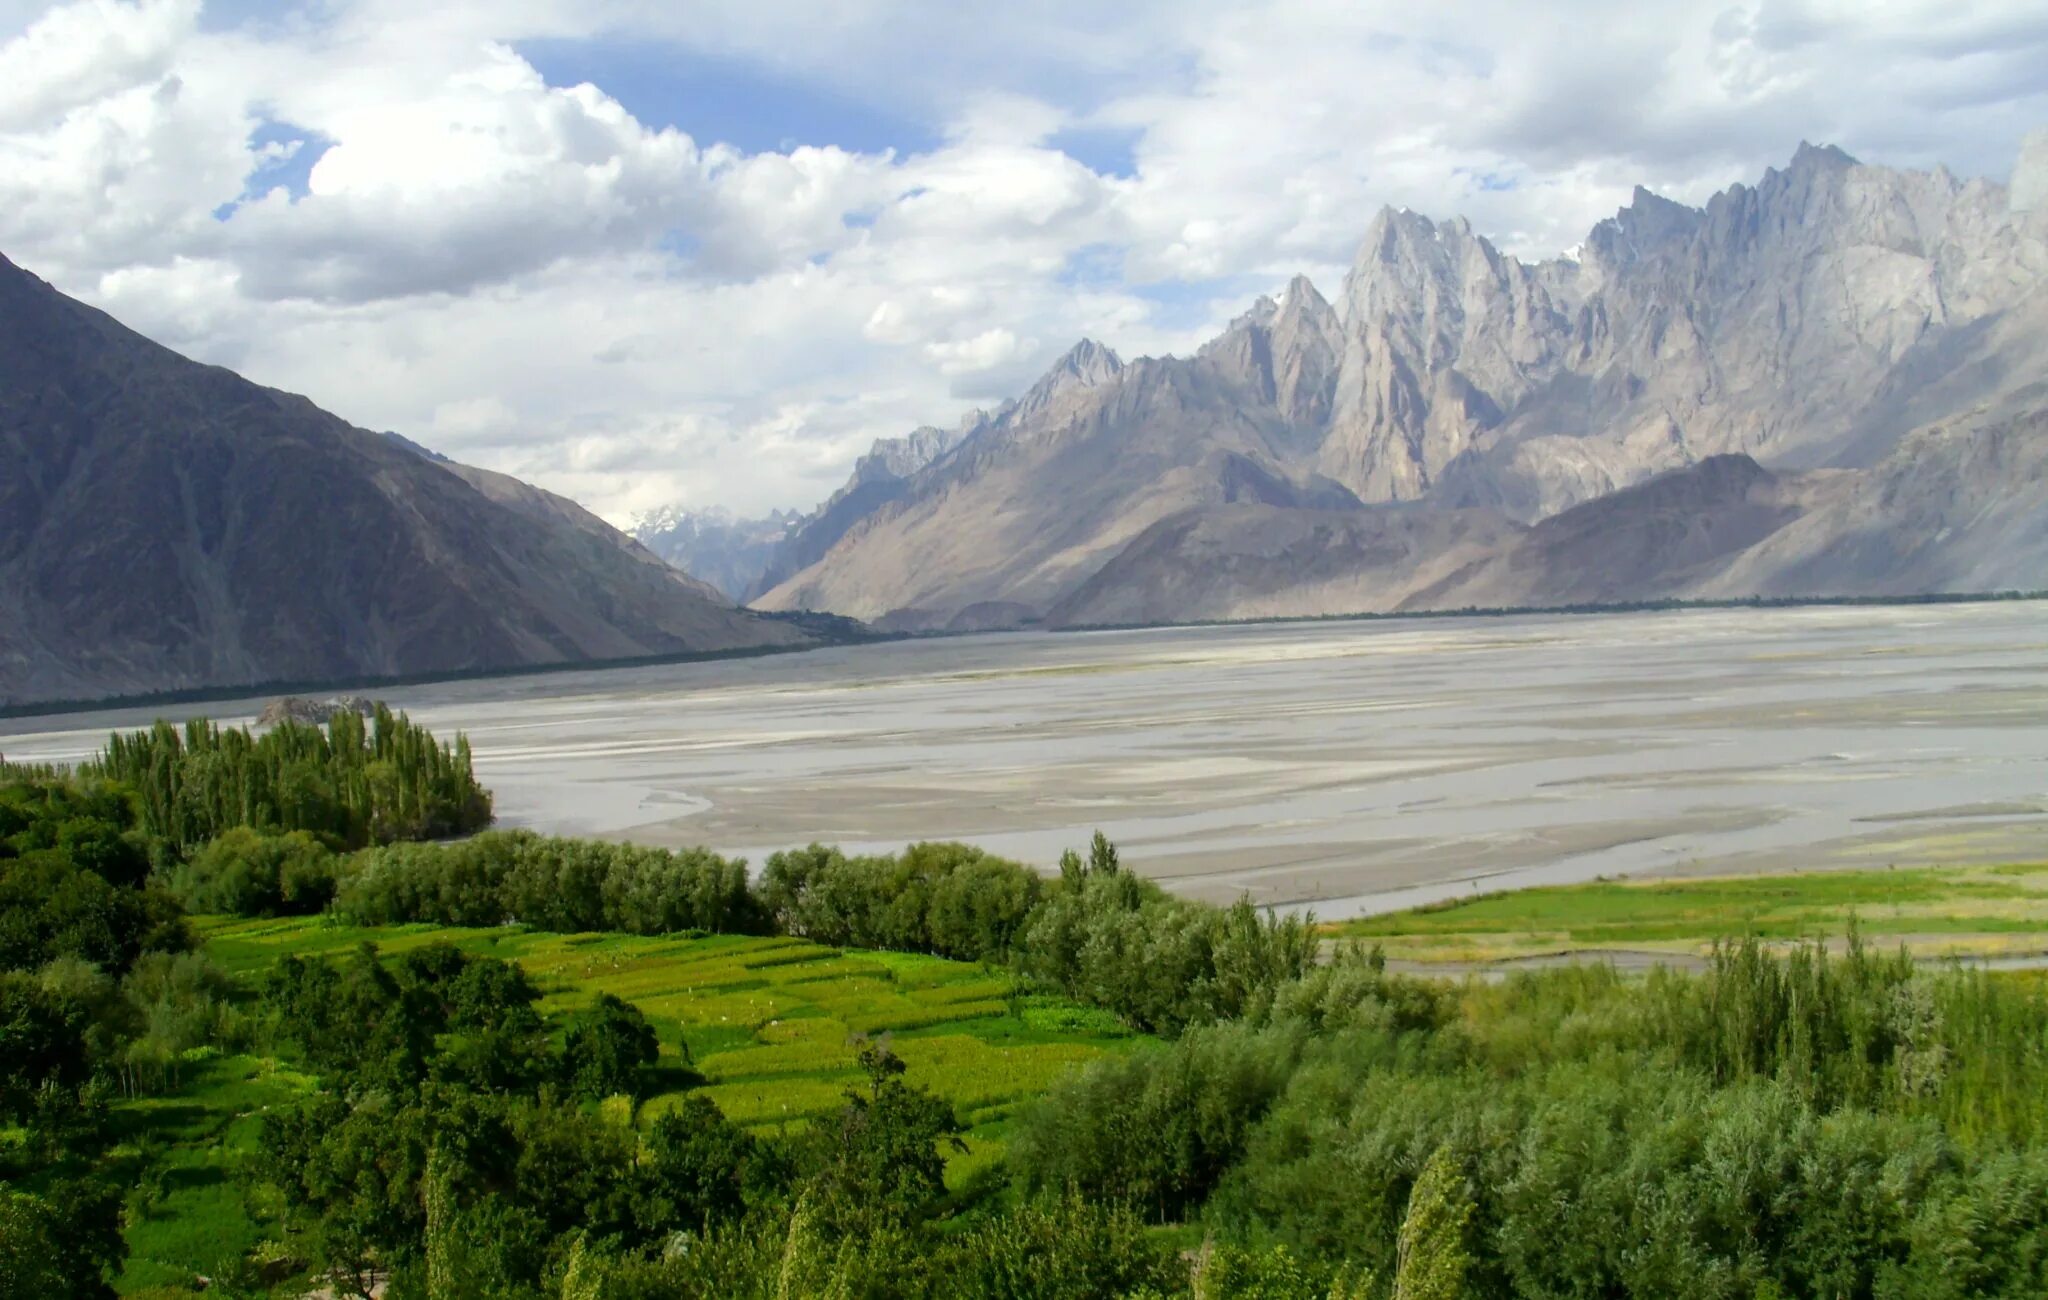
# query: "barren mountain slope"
{"type": "Point", "coordinates": [1032, 503]}
{"type": "Point", "coordinates": [1256, 561]}
{"type": "Point", "coordinates": [165, 524]}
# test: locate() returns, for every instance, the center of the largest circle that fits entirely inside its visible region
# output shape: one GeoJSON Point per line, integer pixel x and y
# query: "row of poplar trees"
{"type": "Point", "coordinates": [356, 781]}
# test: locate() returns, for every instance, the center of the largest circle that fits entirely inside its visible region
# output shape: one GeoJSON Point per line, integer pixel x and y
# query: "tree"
{"type": "Point", "coordinates": [28, 1255]}
{"type": "Point", "coordinates": [606, 1047]}
{"type": "Point", "coordinates": [61, 1245]}
{"type": "Point", "coordinates": [881, 1166]}
{"type": "Point", "coordinates": [1102, 859]}
{"type": "Point", "coordinates": [699, 1168]}
{"type": "Point", "coordinates": [248, 873]}
{"type": "Point", "coordinates": [1432, 1259]}
{"type": "Point", "coordinates": [42, 1039]}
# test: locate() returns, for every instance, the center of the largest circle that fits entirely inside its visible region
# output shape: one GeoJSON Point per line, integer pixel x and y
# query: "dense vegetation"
{"type": "Point", "coordinates": [101, 995]}
{"type": "Point", "coordinates": [552, 884]}
{"type": "Point", "coordinates": [353, 782]}
{"type": "Point", "coordinates": [1097, 934]}
{"type": "Point", "coordinates": [1778, 1126]}
{"type": "Point", "coordinates": [455, 1124]}
{"type": "Point", "coordinates": [97, 994]}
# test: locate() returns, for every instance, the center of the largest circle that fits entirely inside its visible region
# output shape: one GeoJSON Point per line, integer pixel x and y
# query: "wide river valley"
{"type": "Point", "coordinates": [1348, 766]}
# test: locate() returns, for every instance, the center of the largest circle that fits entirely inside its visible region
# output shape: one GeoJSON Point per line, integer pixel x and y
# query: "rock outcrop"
{"type": "Point", "coordinates": [297, 708]}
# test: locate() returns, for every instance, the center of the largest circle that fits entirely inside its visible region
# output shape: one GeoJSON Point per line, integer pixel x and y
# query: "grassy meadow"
{"type": "Point", "coordinates": [767, 1023]}
{"type": "Point", "coordinates": [1935, 912]}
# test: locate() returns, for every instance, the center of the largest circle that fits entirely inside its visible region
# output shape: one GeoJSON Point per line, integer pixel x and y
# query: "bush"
{"type": "Point", "coordinates": [248, 873]}
{"type": "Point", "coordinates": [550, 883]}
{"type": "Point", "coordinates": [1155, 1130]}
{"type": "Point", "coordinates": [1160, 962]}
{"type": "Point", "coordinates": [951, 900]}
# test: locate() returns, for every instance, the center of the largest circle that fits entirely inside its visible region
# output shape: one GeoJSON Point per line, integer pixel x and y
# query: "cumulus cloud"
{"type": "Point", "coordinates": [78, 53]}
{"type": "Point", "coordinates": [388, 207]}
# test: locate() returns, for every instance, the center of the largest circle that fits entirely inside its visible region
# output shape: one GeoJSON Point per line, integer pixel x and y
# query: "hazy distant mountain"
{"type": "Point", "coordinates": [165, 524]}
{"type": "Point", "coordinates": [552, 510]}
{"type": "Point", "coordinates": [1847, 361]}
{"type": "Point", "coordinates": [879, 478]}
{"type": "Point", "coordinates": [731, 554]}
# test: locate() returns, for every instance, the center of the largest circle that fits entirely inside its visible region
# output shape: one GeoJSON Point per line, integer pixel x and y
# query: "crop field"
{"type": "Point", "coordinates": [1972, 912]}
{"type": "Point", "coordinates": [187, 1215]}
{"type": "Point", "coordinates": [770, 1025]}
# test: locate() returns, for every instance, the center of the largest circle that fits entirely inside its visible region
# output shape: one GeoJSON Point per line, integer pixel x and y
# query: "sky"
{"type": "Point", "coordinates": [701, 254]}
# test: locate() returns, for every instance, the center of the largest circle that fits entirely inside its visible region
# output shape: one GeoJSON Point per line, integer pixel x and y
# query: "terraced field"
{"type": "Point", "coordinates": [768, 1024]}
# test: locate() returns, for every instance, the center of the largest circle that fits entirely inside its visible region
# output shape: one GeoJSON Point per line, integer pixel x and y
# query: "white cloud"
{"type": "Point", "coordinates": [972, 356]}
{"type": "Point", "coordinates": [78, 53]}
{"type": "Point", "coordinates": [531, 277]}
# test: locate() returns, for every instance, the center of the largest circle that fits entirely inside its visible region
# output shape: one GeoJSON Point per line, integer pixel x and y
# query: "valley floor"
{"type": "Point", "coordinates": [1351, 768]}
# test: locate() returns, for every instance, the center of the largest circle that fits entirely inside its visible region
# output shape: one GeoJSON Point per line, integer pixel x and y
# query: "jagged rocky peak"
{"type": "Point", "coordinates": [1086, 365]}
{"type": "Point", "coordinates": [1308, 340]}
{"type": "Point", "coordinates": [682, 521]}
{"type": "Point", "coordinates": [906, 455]}
{"type": "Point", "coordinates": [1650, 226]}
{"type": "Point", "coordinates": [1410, 266]}
{"type": "Point", "coordinates": [1285, 349]}
{"type": "Point", "coordinates": [1259, 315]}
{"type": "Point", "coordinates": [1813, 157]}
{"type": "Point", "coordinates": [1303, 309]}
{"type": "Point", "coordinates": [669, 519]}
{"type": "Point", "coordinates": [1813, 319]}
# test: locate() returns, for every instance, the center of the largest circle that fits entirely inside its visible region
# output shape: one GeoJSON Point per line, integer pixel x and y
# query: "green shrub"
{"type": "Point", "coordinates": [245, 872]}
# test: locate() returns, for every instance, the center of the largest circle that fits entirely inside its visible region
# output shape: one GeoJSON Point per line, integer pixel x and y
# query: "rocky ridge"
{"type": "Point", "coordinates": [1839, 367]}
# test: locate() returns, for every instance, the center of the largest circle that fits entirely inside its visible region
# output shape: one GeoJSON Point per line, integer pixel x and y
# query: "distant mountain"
{"type": "Point", "coordinates": [549, 509]}
{"type": "Point", "coordinates": [728, 553]}
{"type": "Point", "coordinates": [879, 477]}
{"type": "Point", "coordinates": [169, 525]}
{"type": "Point", "coordinates": [1837, 373]}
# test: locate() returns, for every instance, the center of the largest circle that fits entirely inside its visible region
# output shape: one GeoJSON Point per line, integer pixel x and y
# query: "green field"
{"type": "Point", "coordinates": [1935, 912]}
{"type": "Point", "coordinates": [769, 1025]}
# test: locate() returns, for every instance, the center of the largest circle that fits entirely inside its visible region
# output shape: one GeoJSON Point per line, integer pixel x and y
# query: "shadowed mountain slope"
{"type": "Point", "coordinates": [168, 525]}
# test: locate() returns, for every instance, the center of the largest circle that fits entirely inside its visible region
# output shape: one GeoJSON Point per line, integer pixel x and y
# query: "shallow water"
{"type": "Point", "coordinates": [1352, 766]}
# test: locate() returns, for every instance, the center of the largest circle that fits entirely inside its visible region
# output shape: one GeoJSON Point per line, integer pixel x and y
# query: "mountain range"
{"type": "Point", "coordinates": [168, 525]}
{"type": "Point", "coordinates": [1833, 382]}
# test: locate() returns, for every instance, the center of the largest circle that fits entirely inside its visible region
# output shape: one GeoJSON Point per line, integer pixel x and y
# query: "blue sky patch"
{"type": "Point", "coordinates": [294, 170]}
{"type": "Point", "coordinates": [291, 171]}
{"type": "Point", "coordinates": [1094, 266]}
{"type": "Point", "coordinates": [729, 101]}
{"type": "Point", "coordinates": [1107, 150]}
